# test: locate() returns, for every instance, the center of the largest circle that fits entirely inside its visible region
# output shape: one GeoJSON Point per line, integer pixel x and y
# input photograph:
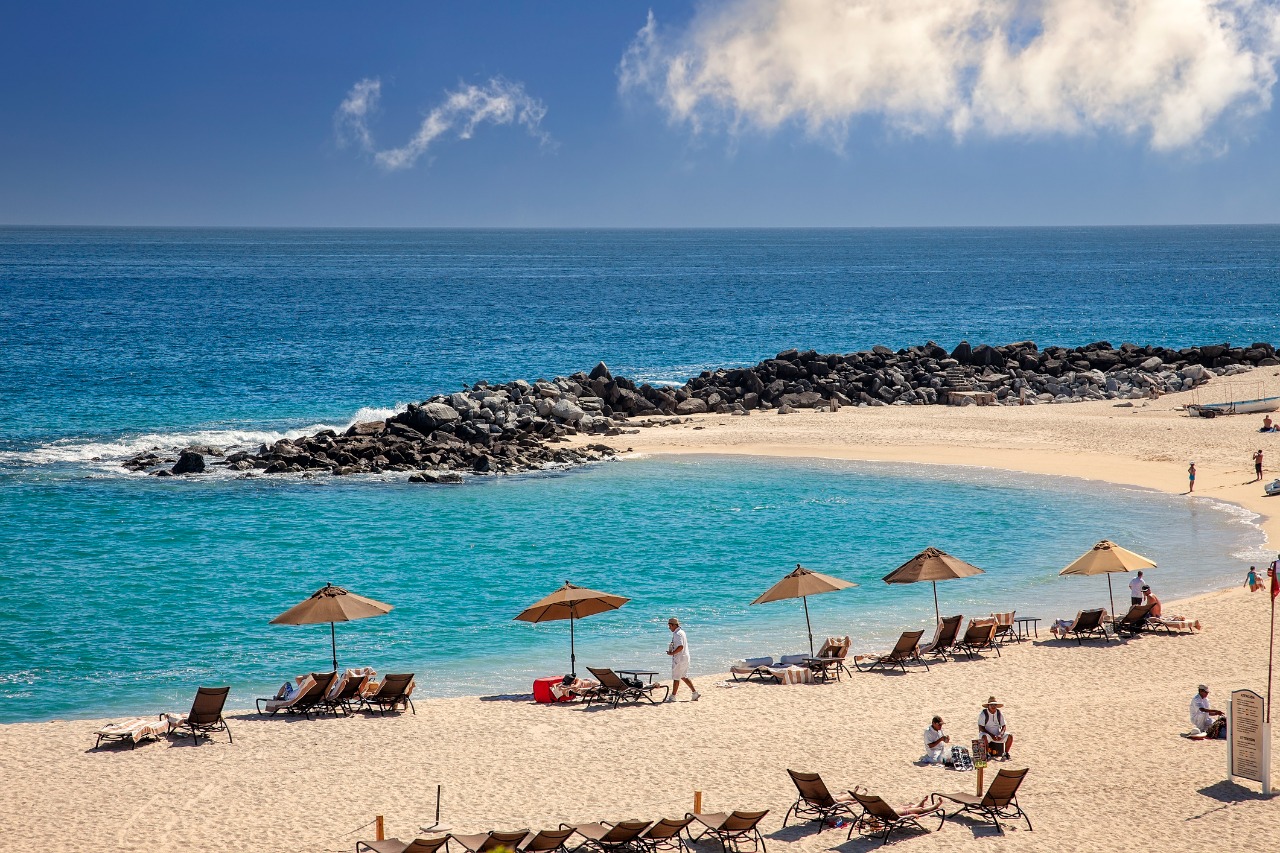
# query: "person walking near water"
{"type": "Point", "coordinates": [1191, 476]}
{"type": "Point", "coordinates": [1251, 580]}
{"type": "Point", "coordinates": [1257, 465]}
{"type": "Point", "coordinates": [678, 651]}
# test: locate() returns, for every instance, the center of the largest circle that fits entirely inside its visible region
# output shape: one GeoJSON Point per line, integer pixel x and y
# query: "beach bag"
{"type": "Point", "coordinates": [1217, 729]}
{"type": "Point", "coordinates": [633, 682]}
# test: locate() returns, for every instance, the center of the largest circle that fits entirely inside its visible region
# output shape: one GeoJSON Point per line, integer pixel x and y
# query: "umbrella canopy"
{"type": "Point", "coordinates": [932, 565]}
{"type": "Point", "coordinates": [801, 584]}
{"type": "Point", "coordinates": [1108, 558]}
{"type": "Point", "coordinates": [571, 602]}
{"type": "Point", "coordinates": [331, 604]}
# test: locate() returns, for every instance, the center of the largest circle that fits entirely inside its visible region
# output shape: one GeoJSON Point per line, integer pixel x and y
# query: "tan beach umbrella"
{"type": "Point", "coordinates": [801, 584]}
{"type": "Point", "coordinates": [932, 565]}
{"type": "Point", "coordinates": [571, 602]}
{"type": "Point", "coordinates": [331, 604]}
{"type": "Point", "coordinates": [1108, 558]}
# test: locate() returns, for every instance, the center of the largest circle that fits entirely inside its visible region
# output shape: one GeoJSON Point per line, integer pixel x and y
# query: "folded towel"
{"type": "Point", "coordinates": [135, 729]}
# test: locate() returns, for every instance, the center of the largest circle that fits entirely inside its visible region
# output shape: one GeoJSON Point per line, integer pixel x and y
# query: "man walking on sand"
{"type": "Point", "coordinates": [678, 651]}
{"type": "Point", "coordinates": [1257, 465]}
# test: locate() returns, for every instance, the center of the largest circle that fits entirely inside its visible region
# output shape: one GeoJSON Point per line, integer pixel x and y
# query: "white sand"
{"type": "Point", "coordinates": [1098, 725]}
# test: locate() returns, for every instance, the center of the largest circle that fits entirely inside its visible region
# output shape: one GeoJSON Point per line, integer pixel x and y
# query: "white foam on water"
{"type": "Point", "coordinates": [113, 451]}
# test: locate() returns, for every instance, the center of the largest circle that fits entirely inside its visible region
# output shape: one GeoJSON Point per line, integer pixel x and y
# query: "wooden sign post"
{"type": "Point", "coordinates": [697, 802]}
{"type": "Point", "coordinates": [1248, 739]}
{"type": "Point", "coordinates": [379, 829]}
{"type": "Point", "coordinates": [979, 763]}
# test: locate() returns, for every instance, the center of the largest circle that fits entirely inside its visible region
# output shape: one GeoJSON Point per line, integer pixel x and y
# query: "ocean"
{"type": "Point", "coordinates": [119, 593]}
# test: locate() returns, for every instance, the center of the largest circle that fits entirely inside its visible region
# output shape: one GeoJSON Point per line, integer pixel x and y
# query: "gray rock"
{"type": "Point", "coordinates": [691, 406]}
{"type": "Point", "coordinates": [189, 462]}
{"type": "Point", "coordinates": [567, 411]}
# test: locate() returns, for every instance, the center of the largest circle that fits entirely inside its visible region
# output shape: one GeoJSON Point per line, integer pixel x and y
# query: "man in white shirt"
{"type": "Point", "coordinates": [993, 728]}
{"type": "Point", "coordinates": [1135, 589]}
{"type": "Point", "coordinates": [936, 743]}
{"type": "Point", "coordinates": [678, 651]}
{"type": "Point", "coordinates": [1202, 716]}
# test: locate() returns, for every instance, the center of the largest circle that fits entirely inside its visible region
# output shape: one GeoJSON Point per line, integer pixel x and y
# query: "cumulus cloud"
{"type": "Point", "coordinates": [1166, 71]}
{"type": "Point", "coordinates": [499, 102]}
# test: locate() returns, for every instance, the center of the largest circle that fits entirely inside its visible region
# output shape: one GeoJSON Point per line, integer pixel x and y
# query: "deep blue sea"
{"type": "Point", "coordinates": [119, 593]}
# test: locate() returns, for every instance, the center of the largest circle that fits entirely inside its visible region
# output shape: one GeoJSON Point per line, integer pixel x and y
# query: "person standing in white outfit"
{"type": "Point", "coordinates": [678, 651]}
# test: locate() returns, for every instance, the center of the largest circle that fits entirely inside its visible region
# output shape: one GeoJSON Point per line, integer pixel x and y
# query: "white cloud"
{"type": "Point", "coordinates": [499, 102]}
{"type": "Point", "coordinates": [1166, 71]}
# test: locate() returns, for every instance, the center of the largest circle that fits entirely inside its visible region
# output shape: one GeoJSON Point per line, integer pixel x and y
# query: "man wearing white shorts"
{"type": "Point", "coordinates": [678, 651]}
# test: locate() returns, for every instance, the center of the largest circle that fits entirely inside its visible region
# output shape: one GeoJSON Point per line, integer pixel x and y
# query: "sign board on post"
{"type": "Point", "coordinates": [1248, 739]}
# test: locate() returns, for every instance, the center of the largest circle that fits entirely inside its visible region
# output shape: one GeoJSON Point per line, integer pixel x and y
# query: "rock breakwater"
{"type": "Point", "coordinates": [512, 427]}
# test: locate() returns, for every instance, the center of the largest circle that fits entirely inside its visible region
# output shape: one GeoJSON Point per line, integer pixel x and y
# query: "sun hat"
{"type": "Point", "coordinates": [991, 700]}
{"type": "Point", "coordinates": [1203, 687]}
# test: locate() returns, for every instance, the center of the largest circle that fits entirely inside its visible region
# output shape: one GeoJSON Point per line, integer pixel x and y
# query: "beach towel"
{"type": "Point", "coordinates": [290, 693]}
{"type": "Point", "coordinates": [793, 674]}
{"type": "Point", "coordinates": [134, 730]}
{"type": "Point", "coordinates": [339, 684]}
{"type": "Point", "coordinates": [1175, 623]}
{"type": "Point", "coordinates": [577, 687]}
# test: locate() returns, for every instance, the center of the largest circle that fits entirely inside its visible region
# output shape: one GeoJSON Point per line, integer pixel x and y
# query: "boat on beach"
{"type": "Point", "coordinates": [1235, 407]}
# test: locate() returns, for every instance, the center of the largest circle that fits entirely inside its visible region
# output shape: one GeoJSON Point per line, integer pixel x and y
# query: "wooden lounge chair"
{"type": "Point", "coordinates": [395, 845]}
{"type": "Point", "coordinates": [1000, 801]}
{"type": "Point", "coordinates": [758, 668]}
{"type": "Point", "coordinates": [1004, 626]}
{"type": "Point", "coordinates": [615, 691]}
{"type": "Point", "coordinates": [979, 636]}
{"type": "Point", "coordinates": [665, 835]}
{"type": "Point", "coordinates": [733, 829]}
{"type": "Point", "coordinates": [545, 841]}
{"type": "Point", "coordinates": [483, 842]}
{"type": "Point", "coordinates": [1088, 623]}
{"type": "Point", "coordinates": [878, 819]}
{"type": "Point", "coordinates": [608, 837]}
{"type": "Point", "coordinates": [1135, 620]}
{"type": "Point", "coordinates": [830, 659]}
{"type": "Point", "coordinates": [906, 649]}
{"type": "Point", "coordinates": [391, 694]}
{"type": "Point", "coordinates": [309, 696]}
{"type": "Point", "coordinates": [344, 697]}
{"type": "Point", "coordinates": [944, 637]}
{"type": "Point", "coordinates": [815, 802]}
{"type": "Point", "coordinates": [205, 716]}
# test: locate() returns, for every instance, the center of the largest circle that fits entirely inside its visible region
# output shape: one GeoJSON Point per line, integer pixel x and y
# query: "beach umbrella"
{"type": "Point", "coordinates": [932, 565]}
{"type": "Point", "coordinates": [331, 604]}
{"type": "Point", "coordinates": [572, 603]}
{"type": "Point", "coordinates": [801, 584]}
{"type": "Point", "coordinates": [1107, 558]}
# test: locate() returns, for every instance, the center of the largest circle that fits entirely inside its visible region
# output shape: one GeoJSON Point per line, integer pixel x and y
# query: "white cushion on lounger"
{"type": "Point", "coordinates": [792, 660]}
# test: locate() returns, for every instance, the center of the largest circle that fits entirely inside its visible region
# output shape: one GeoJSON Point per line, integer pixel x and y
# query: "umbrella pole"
{"type": "Point", "coordinates": [1111, 596]}
{"type": "Point", "coordinates": [333, 644]}
{"type": "Point", "coordinates": [807, 624]}
{"type": "Point", "coordinates": [937, 614]}
{"type": "Point", "coordinates": [573, 659]}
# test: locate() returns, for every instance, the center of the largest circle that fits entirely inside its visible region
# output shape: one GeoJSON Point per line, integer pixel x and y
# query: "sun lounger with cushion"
{"type": "Point", "coordinates": [906, 649]}
{"type": "Point", "coordinates": [944, 637]}
{"type": "Point", "coordinates": [1088, 623]}
{"type": "Point", "coordinates": [1000, 801]}
{"type": "Point", "coordinates": [878, 819]}
{"type": "Point", "coordinates": [1134, 621]}
{"type": "Point", "coordinates": [665, 835]}
{"type": "Point", "coordinates": [759, 668]}
{"type": "Point", "coordinates": [347, 691]}
{"type": "Point", "coordinates": [733, 829]}
{"type": "Point", "coordinates": [608, 837]}
{"type": "Point", "coordinates": [616, 691]}
{"type": "Point", "coordinates": [815, 802]}
{"type": "Point", "coordinates": [308, 696]}
{"type": "Point", "coordinates": [1173, 625]}
{"type": "Point", "coordinates": [392, 694]}
{"type": "Point", "coordinates": [1005, 626]}
{"type": "Point", "coordinates": [205, 716]}
{"type": "Point", "coordinates": [395, 845]}
{"type": "Point", "coordinates": [133, 731]}
{"type": "Point", "coordinates": [978, 637]}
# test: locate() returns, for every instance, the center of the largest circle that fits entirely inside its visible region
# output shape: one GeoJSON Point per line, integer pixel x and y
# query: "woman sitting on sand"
{"type": "Point", "coordinates": [929, 804]}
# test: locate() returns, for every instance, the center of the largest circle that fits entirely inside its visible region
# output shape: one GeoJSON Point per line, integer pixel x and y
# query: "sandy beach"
{"type": "Point", "coordinates": [1097, 724]}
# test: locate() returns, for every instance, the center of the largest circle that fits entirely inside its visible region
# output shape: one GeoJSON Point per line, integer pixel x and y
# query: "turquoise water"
{"type": "Point", "coordinates": [134, 590]}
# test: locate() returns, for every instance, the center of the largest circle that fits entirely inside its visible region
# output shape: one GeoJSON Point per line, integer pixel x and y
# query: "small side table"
{"type": "Point", "coordinates": [1024, 625]}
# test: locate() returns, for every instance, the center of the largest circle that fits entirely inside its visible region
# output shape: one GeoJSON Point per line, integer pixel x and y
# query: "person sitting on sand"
{"type": "Point", "coordinates": [936, 740]}
{"type": "Point", "coordinates": [1203, 717]}
{"type": "Point", "coordinates": [925, 806]}
{"type": "Point", "coordinates": [993, 728]}
{"type": "Point", "coordinates": [1267, 426]}
{"type": "Point", "coordinates": [1157, 612]}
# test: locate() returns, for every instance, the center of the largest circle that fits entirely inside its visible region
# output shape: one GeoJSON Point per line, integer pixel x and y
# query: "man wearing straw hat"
{"type": "Point", "coordinates": [678, 651]}
{"type": "Point", "coordinates": [993, 728]}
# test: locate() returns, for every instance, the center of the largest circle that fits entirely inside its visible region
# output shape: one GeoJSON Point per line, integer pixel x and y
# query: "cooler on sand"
{"type": "Point", "coordinates": [542, 690]}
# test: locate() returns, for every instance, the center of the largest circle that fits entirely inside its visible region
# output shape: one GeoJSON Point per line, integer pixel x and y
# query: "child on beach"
{"type": "Point", "coordinates": [1257, 465]}
{"type": "Point", "coordinates": [1251, 580]}
{"type": "Point", "coordinates": [1191, 475]}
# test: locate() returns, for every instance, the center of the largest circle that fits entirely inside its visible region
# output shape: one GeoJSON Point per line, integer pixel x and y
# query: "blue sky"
{"type": "Point", "coordinates": [776, 114]}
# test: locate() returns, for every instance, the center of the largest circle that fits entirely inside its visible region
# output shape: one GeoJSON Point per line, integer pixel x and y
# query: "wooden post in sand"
{"type": "Point", "coordinates": [379, 829]}
{"type": "Point", "coordinates": [697, 802]}
{"type": "Point", "coordinates": [980, 757]}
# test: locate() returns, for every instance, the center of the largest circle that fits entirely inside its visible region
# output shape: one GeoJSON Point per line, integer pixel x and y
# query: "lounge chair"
{"type": "Point", "coordinates": [1000, 801]}
{"type": "Point", "coordinates": [345, 695]}
{"type": "Point", "coordinates": [830, 659]}
{"type": "Point", "coordinates": [205, 716]}
{"type": "Point", "coordinates": [906, 649]}
{"type": "Point", "coordinates": [308, 697]}
{"type": "Point", "coordinates": [979, 636]}
{"type": "Point", "coordinates": [815, 802]}
{"type": "Point", "coordinates": [944, 637]}
{"type": "Point", "coordinates": [759, 668]}
{"type": "Point", "coordinates": [1134, 621]}
{"type": "Point", "coordinates": [733, 829]}
{"type": "Point", "coordinates": [392, 693]}
{"type": "Point", "coordinates": [133, 731]}
{"type": "Point", "coordinates": [608, 837]}
{"type": "Point", "coordinates": [1173, 624]}
{"type": "Point", "coordinates": [1004, 626]}
{"type": "Point", "coordinates": [483, 842]}
{"type": "Point", "coordinates": [878, 819]}
{"type": "Point", "coordinates": [1088, 623]}
{"type": "Point", "coordinates": [545, 841]}
{"type": "Point", "coordinates": [615, 691]}
{"type": "Point", "coordinates": [395, 845]}
{"type": "Point", "coordinates": [665, 835]}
